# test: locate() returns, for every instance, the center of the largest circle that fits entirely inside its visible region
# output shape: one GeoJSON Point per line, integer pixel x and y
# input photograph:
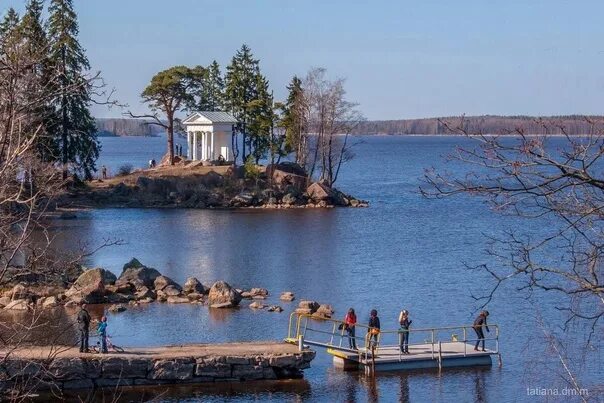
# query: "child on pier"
{"type": "Point", "coordinates": [102, 332]}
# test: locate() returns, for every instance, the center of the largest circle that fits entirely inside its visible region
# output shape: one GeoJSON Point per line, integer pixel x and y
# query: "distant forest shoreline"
{"type": "Point", "coordinates": [488, 124]}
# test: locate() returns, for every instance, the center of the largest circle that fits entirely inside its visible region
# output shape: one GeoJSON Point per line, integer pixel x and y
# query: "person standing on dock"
{"type": "Point", "coordinates": [350, 321]}
{"type": "Point", "coordinates": [374, 328]}
{"type": "Point", "coordinates": [83, 325]}
{"type": "Point", "coordinates": [104, 172]}
{"type": "Point", "coordinates": [479, 323]}
{"type": "Point", "coordinates": [405, 323]}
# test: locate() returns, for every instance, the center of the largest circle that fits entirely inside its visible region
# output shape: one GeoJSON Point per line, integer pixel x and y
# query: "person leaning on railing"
{"type": "Point", "coordinates": [479, 323]}
{"type": "Point", "coordinates": [374, 328]}
{"type": "Point", "coordinates": [350, 322]}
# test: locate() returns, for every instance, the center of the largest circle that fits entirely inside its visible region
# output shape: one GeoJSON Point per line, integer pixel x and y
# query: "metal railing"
{"type": "Point", "coordinates": [305, 329]}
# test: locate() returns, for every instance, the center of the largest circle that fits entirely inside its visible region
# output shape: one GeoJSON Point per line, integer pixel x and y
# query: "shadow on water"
{"type": "Point", "coordinates": [252, 391]}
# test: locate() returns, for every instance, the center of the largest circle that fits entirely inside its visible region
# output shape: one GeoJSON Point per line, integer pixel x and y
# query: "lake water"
{"type": "Point", "coordinates": [402, 252]}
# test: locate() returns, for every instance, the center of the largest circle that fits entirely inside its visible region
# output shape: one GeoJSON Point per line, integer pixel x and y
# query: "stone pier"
{"type": "Point", "coordinates": [66, 368]}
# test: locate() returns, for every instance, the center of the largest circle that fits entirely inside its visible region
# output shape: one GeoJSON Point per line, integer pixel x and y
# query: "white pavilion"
{"type": "Point", "coordinates": [209, 136]}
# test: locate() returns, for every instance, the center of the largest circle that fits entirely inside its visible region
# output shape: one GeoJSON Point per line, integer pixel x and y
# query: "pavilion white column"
{"type": "Point", "coordinates": [212, 148]}
{"type": "Point", "coordinates": [189, 145]}
{"type": "Point", "coordinates": [194, 146]}
{"type": "Point", "coordinates": [204, 146]}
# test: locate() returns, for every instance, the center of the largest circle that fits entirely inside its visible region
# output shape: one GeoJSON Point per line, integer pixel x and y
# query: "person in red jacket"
{"type": "Point", "coordinates": [350, 321]}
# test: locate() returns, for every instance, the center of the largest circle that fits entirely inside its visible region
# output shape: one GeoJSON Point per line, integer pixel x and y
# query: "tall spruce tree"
{"type": "Point", "coordinates": [75, 129]}
{"type": "Point", "coordinates": [8, 30]}
{"type": "Point", "coordinates": [241, 89]}
{"type": "Point", "coordinates": [261, 119]}
{"type": "Point", "coordinates": [40, 82]}
{"type": "Point", "coordinates": [293, 121]}
{"type": "Point", "coordinates": [215, 87]}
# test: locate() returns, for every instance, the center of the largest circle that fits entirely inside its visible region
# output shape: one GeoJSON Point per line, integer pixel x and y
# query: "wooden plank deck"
{"type": "Point", "coordinates": [455, 354]}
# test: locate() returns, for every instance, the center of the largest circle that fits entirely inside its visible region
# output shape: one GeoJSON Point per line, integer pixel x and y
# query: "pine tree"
{"type": "Point", "coordinates": [241, 89]}
{"type": "Point", "coordinates": [75, 128]}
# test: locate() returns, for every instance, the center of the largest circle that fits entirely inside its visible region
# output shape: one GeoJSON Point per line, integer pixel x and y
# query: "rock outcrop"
{"type": "Point", "coordinates": [137, 275]}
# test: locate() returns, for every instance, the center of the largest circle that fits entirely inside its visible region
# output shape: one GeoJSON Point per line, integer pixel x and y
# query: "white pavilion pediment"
{"type": "Point", "coordinates": [209, 118]}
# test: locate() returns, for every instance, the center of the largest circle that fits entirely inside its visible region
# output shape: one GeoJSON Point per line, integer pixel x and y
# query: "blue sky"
{"type": "Point", "coordinates": [401, 59]}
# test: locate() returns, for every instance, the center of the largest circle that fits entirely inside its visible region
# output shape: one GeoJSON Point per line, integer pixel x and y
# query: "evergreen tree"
{"type": "Point", "coordinates": [241, 89]}
{"type": "Point", "coordinates": [75, 128]}
{"type": "Point", "coordinates": [261, 119]}
{"type": "Point", "coordinates": [215, 88]}
{"type": "Point", "coordinates": [293, 121]}
{"type": "Point", "coordinates": [35, 43]}
{"type": "Point", "coordinates": [8, 30]}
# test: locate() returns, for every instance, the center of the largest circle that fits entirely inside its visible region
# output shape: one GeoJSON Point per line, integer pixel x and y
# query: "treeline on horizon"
{"type": "Point", "coordinates": [487, 124]}
{"type": "Point", "coordinates": [107, 127]}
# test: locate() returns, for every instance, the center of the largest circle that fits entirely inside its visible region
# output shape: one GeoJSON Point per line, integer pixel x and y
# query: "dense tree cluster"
{"type": "Point", "coordinates": [315, 108]}
{"type": "Point", "coordinates": [57, 87]}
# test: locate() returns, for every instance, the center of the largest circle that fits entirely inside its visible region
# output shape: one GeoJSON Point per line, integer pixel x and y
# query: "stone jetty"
{"type": "Point", "coordinates": [65, 368]}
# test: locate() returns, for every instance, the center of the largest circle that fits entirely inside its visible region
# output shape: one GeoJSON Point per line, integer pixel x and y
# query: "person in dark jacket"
{"type": "Point", "coordinates": [479, 323]}
{"type": "Point", "coordinates": [83, 326]}
{"type": "Point", "coordinates": [405, 323]}
{"type": "Point", "coordinates": [374, 328]}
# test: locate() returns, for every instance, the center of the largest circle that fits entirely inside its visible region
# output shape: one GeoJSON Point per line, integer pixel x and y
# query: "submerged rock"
{"type": "Point", "coordinates": [287, 296]}
{"type": "Point", "coordinates": [116, 308]}
{"type": "Point", "coordinates": [307, 307]}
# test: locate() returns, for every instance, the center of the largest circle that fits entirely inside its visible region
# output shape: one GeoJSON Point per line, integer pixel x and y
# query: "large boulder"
{"type": "Point", "coordinates": [243, 199]}
{"type": "Point", "coordinates": [222, 295]}
{"type": "Point", "coordinates": [161, 282]}
{"type": "Point", "coordinates": [287, 175]}
{"type": "Point", "coordinates": [192, 285]}
{"type": "Point", "coordinates": [135, 273]}
{"type": "Point", "coordinates": [318, 192]}
{"type": "Point", "coordinates": [90, 286]}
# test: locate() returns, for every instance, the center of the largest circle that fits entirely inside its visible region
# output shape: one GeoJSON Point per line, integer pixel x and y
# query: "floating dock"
{"type": "Point", "coordinates": [444, 347]}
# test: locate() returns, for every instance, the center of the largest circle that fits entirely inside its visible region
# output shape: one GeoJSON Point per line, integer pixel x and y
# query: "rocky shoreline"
{"type": "Point", "coordinates": [138, 285]}
{"type": "Point", "coordinates": [278, 186]}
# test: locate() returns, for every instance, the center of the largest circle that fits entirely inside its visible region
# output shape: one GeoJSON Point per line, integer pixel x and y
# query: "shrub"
{"type": "Point", "coordinates": [251, 169]}
{"type": "Point", "coordinates": [125, 169]}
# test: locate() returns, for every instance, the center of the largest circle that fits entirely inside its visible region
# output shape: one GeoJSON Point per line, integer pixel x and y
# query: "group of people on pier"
{"type": "Point", "coordinates": [374, 329]}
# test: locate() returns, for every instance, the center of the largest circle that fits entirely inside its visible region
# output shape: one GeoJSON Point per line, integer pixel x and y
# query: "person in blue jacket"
{"type": "Point", "coordinates": [102, 332]}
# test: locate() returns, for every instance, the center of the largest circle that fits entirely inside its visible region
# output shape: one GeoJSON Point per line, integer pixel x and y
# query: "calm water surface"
{"type": "Point", "coordinates": [402, 252]}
